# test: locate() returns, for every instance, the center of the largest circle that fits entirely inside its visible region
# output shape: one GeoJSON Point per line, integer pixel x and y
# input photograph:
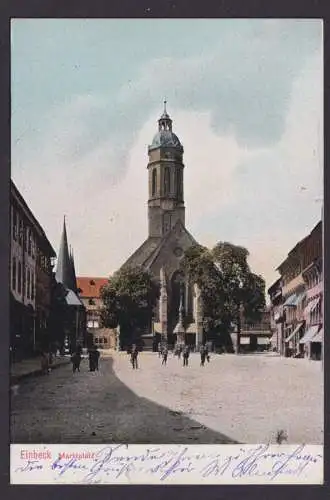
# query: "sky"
{"type": "Point", "coordinates": [246, 99]}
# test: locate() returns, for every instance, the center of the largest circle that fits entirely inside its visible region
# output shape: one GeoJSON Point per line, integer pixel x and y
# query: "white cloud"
{"type": "Point", "coordinates": [231, 191]}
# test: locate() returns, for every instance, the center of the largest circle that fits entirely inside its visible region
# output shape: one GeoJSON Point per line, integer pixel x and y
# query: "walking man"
{"type": "Point", "coordinates": [76, 360]}
{"type": "Point", "coordinates": [134, 356]}
{"type": "Point", "coordinates": [185, 355]}
{"type": "Point", "coordinates": [165, 354]}
{"type": "Point", "coordinates": [202, 352]}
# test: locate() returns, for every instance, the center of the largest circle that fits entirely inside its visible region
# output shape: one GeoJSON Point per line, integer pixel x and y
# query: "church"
{"type": "Point", "coordinates": [178, 315]}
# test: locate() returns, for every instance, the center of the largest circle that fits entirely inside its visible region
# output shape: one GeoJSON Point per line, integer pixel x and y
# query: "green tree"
{"type": "Point", "coordinates": [244, 290]}
{"type": "Point", "coordinates": [228, 288]}
{"type": "Point", "coordinates": [129, 299]}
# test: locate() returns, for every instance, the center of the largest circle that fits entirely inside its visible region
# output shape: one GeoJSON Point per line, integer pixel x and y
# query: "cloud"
{"type": "Point", "coordinates": [248, 115]}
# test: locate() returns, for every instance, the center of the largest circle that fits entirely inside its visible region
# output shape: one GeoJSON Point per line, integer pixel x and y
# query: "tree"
{"type": "Point", "coordinates": [244, 290]}
{"type": "Point", "coordinates": [129, 299]}
{"type": "Point", "coordinates": [198, 266]}
{"type": "Point", "coordinates": [228, 288]}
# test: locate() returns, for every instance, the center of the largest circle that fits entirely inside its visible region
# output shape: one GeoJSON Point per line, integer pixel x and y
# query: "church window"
{"type": "Point", "coordinates": [154, 181]}
{"type": "Point", "coordinates": [179, 183]}
{"type": "Point", "coordinates": [167, 181]}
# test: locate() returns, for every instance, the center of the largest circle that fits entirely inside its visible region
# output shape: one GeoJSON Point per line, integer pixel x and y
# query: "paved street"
{"type": "Point", "coordinates": [244, 399]}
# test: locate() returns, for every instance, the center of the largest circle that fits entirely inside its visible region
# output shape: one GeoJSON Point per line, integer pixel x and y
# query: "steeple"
{"type": "Point", "coordinates": [165, 179]}
{"type": "Point", "coordinates": [73, 272]}
{"type": "Point", "coordinates": [165, 122]}
{"type": "Point", "coordinates": [64, 265]}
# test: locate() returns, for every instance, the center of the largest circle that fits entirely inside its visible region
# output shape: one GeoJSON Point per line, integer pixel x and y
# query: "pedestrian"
{"type": "Point", "coordinates": [165, 354]}
{"type": "Point", "coordinates": [202, 352]}
{"type": "Point", "coordinates": [207, 355]}
{"type": "Point", "coordinates": [97, 358]}
{"type": "Point", "coordinates": [91, 359]}
{"type": "Point", "coordinates": [134, 357]}
{"type": "Point", "coordinates": [185, 355]}
{"type": "Point", "coordinates": [44, 362]}
{"type": "Point", "coordinates": [76, 360]}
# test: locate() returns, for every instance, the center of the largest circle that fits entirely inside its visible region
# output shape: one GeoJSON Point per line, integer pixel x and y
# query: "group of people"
{"type": "Point", "coordinates": [93, 358]}
{"type": "Point", "coordinates": [183, 350]}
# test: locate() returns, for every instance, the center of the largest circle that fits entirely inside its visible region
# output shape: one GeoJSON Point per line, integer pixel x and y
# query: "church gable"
{"type": "Point", "coordinates": [171, 250]}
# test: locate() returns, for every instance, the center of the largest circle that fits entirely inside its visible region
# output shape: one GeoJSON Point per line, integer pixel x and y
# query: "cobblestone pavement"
{"type": "Point", "coordinates": [249, 397]}
{"type": "Point", "coordinates": [96, 407]}
{"type": "Point", "coordinates": [232, 399]}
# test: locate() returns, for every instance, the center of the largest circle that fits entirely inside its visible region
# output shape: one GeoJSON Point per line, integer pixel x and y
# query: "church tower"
{"type": "Point", "coordinates": [165, 177]}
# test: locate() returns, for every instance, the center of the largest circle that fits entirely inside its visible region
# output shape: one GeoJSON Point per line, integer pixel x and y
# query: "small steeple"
{"type": "Point", "coordinates": [165, 122]}
{"type": "Point", "coordinates": [73, 272]}
{"type": "Point", "coordinates": [63, 267]}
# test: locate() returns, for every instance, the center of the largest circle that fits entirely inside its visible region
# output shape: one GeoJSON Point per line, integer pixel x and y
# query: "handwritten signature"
{"type": "Point", "coordinates": [162, 463]}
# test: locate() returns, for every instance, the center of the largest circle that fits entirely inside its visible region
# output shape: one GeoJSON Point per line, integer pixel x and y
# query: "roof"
{"type": "Point", "coordinates": [40, 232]}
{"type": "Point", "coordinates": [165, 138]}
{"type": "Point", "coordinates": [139, 257]}
{"type": "Point", "coordinates": [90, 286]}
{"type": "Point", "coordinates": [317, 227]}
{"type": "Point", "coordinates": [72, 299]}
{"type": "Point", "coordinates": [147, 253]}
{"type": "Point", "coordinates": [64, 270]}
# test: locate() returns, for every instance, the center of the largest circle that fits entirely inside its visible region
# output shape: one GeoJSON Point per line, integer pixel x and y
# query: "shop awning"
{"type": "Point", "coordinates": [311, 305]}
{"type": "Point", "coordinates": [310, 333]}
{"type": "Point", "coordinates": [295, 331]}
{"type": "Point", "coordinates": [290, 301]}
{"type": "Point", "coordinates": [318, 337]}
{"type": "Point", "coordinates": [299, 298]}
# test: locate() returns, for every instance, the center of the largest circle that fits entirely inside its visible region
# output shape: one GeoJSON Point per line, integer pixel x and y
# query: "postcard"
{"type": "Point", "coordinates": [166, 257]}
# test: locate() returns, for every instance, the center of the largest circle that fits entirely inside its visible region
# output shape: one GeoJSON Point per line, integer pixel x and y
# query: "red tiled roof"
{"type": "Point", "coordinates": [91, 287]}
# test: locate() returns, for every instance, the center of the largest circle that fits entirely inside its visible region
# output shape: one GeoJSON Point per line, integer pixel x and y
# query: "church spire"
{"type": "Point", "coordinates": [165, 122]}
{"type": "Point", "coordinates": [73, 272]}
{"type": "Point", "coordinates": [63, 267]}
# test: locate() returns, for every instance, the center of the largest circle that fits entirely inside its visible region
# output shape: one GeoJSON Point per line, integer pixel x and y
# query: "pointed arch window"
{"type": "Point", "coordinates": [154, 182]}
{"type": "Point", "coordinates": [179, 183]}
{"type": "Point", "coordinates": [167, 181]}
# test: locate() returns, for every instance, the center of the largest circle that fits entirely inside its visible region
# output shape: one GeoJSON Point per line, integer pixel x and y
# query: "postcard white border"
{"type": "Point", "coordinates": [166, 464]}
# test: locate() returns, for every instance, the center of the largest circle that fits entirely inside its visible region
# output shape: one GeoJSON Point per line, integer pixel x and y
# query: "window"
{"type": "Point", "coordinates": [29, 240]}
{"type": "Point", "coordinates": [19, 279]}
{"type": "Point", "coordinates": [167, 181]}
{"type": "Point", "coordinates": [179, 183]}
{"type": "Point", "coordinates": [92, 282]}
{"type": "Point", "coordinates": [154, 182]}
{"type": "Point", "coordinates": [32, 285]}
{"type": "Point", "coordinates": [105, 340]}
{"type": "Point", "coordinates": [20, 234]}
{"type": "Point", "coordinates": [15, 224]}
{"type": "Point", "coordinates": [14, 274]}
{"type": "Point", "coordinates": [91, 302]}
{"type": "Point", "coordinates": [28, 283]}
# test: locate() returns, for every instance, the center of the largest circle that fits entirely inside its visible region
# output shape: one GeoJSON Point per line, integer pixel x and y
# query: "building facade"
{"type": "Point", "coordinates": [167, 241]}
{"type": "Point", "coordinates": [31, 272]}
{"type": "Point", "coordinates": [276, 316]}
{"type": "Point", "coordinates": [89, 289]}
{"type": "Point", "coordinates": [299, 307]}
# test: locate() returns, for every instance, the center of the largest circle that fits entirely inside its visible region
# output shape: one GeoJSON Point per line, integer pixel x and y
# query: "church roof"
{"type": "Point", "coordinates": [139, 257]}
{"type": "Point", "coordinates": [165, 138]}
{"type": "Point", "coordinates": [64, 264]}
{"type": "Point", "coordinates": [147, 253]}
